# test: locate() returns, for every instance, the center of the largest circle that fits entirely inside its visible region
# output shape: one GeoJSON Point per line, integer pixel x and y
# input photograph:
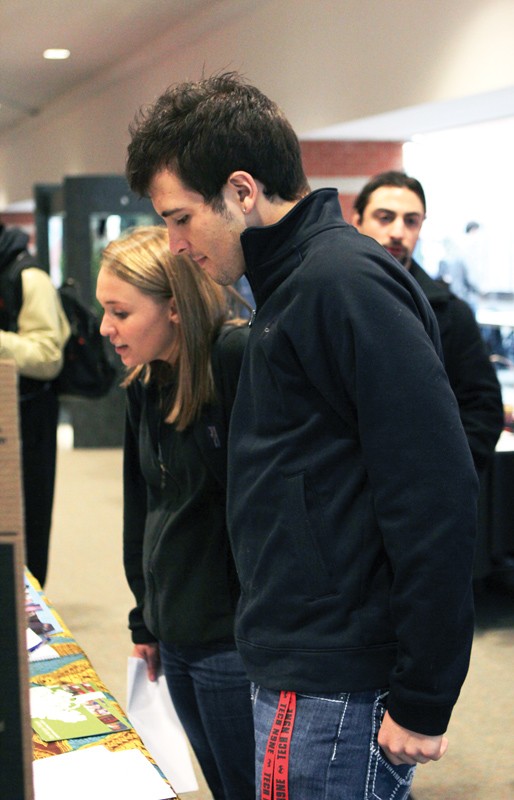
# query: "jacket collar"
{"type": "Point", "coordinates": [435, 291]}
{"type": "Point", "coordinates": [273, 251]}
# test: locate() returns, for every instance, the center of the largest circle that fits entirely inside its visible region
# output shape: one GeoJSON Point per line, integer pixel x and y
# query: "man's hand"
{"type": "Point", "coordinates": [402, 746]}
{"type": "Point", "coordinates": [150, 653]}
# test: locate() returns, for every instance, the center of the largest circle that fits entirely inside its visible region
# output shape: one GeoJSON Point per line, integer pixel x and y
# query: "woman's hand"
{"type": "Point", "coordinates": [150, 653]}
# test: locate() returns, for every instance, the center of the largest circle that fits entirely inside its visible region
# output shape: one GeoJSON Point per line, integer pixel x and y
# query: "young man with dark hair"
{"type": "Point", "coordinates": [352, 492]}
{"type": "Point", "coordinates": [391, 178]}
{"type": "Point", "coordinates": [391, 208]}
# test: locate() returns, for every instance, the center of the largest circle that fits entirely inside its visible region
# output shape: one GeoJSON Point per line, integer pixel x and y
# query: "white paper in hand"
{"type": "Point", "coordinates": [151, 712]}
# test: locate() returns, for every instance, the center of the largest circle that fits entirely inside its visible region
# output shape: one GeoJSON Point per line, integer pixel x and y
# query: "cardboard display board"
{"type": "Point", "coordinates": [15, 728]}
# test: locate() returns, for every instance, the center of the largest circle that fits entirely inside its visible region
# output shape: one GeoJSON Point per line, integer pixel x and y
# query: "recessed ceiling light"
{"type": "Point", "coordinates": [56, 53]}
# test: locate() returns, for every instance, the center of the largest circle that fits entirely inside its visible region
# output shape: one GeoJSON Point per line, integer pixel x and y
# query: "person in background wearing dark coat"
{"type": "Point", "coordinates": [391, 208]}
{"type": "Point", "coordinates": [34, 339]}
{"type": "Point", "coordinates": [168, 323]}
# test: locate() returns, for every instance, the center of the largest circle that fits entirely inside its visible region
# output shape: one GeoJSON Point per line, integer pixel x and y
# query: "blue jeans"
{"type": "Point", "coordinates": [334, 753]}
{"type": "Point", "coordinates": [211, 694]}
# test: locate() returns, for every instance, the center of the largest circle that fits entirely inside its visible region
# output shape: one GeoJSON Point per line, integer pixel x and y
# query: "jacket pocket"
{"type": "Point", "coordinates": [307, 528]}
{"type": "Point", "coordinates": [386, 781]}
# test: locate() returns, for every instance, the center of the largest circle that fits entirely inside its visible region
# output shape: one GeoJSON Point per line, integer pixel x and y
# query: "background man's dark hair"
{"type": "Point", "coordinates": [390, 178]}
{"type": "Point", "coordinates": [204, 131]}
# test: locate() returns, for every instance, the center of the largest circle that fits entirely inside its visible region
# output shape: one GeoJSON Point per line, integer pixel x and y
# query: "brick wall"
{"type": "Point", "coordinates": [345, 165]}
{"type": "Point", "coordinates": [348, 165]}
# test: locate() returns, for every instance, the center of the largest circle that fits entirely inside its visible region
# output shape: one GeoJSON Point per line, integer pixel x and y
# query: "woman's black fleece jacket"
{"type": "Point", "coordinates": [352, 491]}
{"type": "Point", "coordinates": [175, 543]}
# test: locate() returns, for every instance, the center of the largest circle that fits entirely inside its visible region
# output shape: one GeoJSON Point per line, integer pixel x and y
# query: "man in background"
{"type": "Point", "coordinates": [391, 208]}
{"type": "Point", "coordinates": [33, 333]}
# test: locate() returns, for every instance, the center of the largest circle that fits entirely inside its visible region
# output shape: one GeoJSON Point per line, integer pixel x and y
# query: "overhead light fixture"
{"type": "Point", "coordinates": [56, 54]}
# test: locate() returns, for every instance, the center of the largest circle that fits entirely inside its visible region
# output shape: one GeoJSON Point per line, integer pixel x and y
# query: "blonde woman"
{"type": "Point", "coordinates": [169, 324]}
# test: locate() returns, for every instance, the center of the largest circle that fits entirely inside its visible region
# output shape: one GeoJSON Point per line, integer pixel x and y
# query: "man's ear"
{"type": "Point", "coordinates": [356, 219]}
{"type": "Point", "coordinates": [245, 188]}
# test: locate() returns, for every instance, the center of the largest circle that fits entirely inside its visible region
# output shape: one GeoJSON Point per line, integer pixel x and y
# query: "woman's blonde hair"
{"type": "Point", "coordinates": [142, 258]}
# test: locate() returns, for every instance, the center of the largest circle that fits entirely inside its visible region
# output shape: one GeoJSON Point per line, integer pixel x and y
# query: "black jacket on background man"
{"type": "Point", "coordinates": [470, 372]}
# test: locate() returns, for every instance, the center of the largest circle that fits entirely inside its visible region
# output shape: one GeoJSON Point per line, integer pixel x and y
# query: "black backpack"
{"type": "Point", "coordinates": [86, 371]}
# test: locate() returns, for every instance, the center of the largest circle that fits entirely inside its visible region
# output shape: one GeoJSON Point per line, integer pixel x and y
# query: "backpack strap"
{"type": "Point", "coordinates": [12, 288]}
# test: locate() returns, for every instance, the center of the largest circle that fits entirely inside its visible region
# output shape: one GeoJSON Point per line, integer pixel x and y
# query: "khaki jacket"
{"type": "Point", "coordinates": [43, 329]}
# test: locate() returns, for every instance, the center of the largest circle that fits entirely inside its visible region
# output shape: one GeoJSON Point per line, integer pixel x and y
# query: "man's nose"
{"type": "Point", "coordinates": [177, 243]}
{"type": "Point", "coordinates": [397, 229]}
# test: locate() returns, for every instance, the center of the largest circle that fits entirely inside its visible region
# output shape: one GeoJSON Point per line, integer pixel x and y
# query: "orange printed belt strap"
{"type": "Point", "coordinates": [275, 769]}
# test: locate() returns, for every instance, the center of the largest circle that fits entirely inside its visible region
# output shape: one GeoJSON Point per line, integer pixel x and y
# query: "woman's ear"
{"type": "Point", "coordinates": [172, 311]}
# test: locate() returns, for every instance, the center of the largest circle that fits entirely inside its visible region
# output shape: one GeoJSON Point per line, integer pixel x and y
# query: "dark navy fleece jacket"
{"type": "Point", "coordinates": [352, 491]}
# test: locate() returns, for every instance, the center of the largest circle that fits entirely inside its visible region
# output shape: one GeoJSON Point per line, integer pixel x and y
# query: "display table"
{"type": "Point", "coordinates": [73, 667]}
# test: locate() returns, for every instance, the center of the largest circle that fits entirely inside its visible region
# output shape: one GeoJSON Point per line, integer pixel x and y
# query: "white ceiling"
{"type": "Point", "coordinates": [103, 33]}
{"type": "Point", "coordinates": [99, 34]}
{"type": "Point", "coordinates": [406, 123]}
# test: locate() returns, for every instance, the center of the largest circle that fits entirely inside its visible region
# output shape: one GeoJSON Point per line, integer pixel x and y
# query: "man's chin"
{"type": "Point", "coordinates": [222, 276]}
{"type": "Point", "coordinates": [401, 255]}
